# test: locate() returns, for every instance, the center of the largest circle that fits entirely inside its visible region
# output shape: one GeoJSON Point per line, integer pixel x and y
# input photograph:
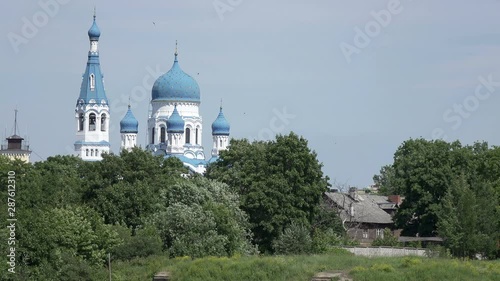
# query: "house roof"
{"type": "Point", "coordinates": [366, 208]}
{"type": "Point", "coordinates": [379, 199]}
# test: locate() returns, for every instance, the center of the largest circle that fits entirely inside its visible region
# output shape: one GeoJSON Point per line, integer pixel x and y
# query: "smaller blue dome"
{"type": "Point", "coordinates": [94, 31]}
{"type": "Point", "coordinates": [129, 124]}
{"type": "Point", "coordinates": [220, 126]}
{"type": "Point", "coordinates": [175, 123]}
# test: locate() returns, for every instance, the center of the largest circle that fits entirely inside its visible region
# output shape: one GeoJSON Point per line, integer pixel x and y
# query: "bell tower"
{"type": "Point", "coordinates": [92, 110]}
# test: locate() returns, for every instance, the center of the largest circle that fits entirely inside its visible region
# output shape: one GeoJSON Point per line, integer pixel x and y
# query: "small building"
{"type": "Point", "coordinates": [364, 216]}
{"type": "Point", "coordinates": [15, 147]}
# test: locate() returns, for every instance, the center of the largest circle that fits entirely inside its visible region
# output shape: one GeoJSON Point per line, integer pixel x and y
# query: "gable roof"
{"type": "Point", "coordinates": [366, 208]}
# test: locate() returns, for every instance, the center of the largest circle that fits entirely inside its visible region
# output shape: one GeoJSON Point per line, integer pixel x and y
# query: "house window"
{"type": "Point", "coordinates": [92, 122]}
{"type": "Point", "coordinates": [188, 135]}
{"type": "Point", "coordinates": [91, 152]}
{"type": "Point", "coordinates": [162, 135]}
{"type": "Point", "coordinates": [103, 122]}
{"type": "Point", "coordinates": [87, 152]}
{"type": "Point", "coordinates": [220, 143]}
{"type": "Point", "coordinates": [152, 135]}
{"type": "Point", "coordinates": [80, 122]}
{"type": "Point", "coordinates": [196, 136]}
{"type": "Point", "coordinates": [380, 233]}
{"type": "Point", "coordinates": [97, 152]}
{"type": "Point", "coordinates": [92, 81]}
{"type": "Point", "coordinates": [365, 233]}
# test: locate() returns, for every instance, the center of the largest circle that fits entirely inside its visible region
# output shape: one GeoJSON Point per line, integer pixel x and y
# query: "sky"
{"type": "Point", "coordinates": [355, 78]}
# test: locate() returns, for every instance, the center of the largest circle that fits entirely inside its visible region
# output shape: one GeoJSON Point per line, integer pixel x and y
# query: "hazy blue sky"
{"type": "Point", "coordinates": [418, 73]}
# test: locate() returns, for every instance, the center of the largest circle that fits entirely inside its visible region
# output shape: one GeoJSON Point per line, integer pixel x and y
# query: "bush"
{"type": "Point", "coordinates": [382, 267]}
{"type": "Point", "coordinates": [323, 241]}
{"type": "Point", "coordinates": [295, 239]}
{"type": "Point", "coordinates": [76, 269]}
{"type": "Point", "coordinates": [144, 243]}
{"type": "Point", "coordinates": [409, 262]}
{"type": "Point", "coordinates": [202, 218]}
{"type": "Point", "coordinates": [388, 239]}
{"type": "Point", "coordinates": [357, 269]}
{"type": "Point", "coordinates": [437, 252]}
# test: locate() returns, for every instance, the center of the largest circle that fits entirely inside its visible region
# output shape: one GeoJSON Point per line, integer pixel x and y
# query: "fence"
{"type": "Point", "coordinates": [386, 251]}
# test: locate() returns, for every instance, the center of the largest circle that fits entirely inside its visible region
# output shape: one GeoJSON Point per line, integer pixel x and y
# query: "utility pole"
{"type": "Point", "coordinates": [109, 265]}
{"type": "Point", "coordinates": [15, 122]}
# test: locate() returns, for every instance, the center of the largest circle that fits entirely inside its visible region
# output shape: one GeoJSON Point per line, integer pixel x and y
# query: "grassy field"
{"type": "Point", "coordinates": [304, 267]}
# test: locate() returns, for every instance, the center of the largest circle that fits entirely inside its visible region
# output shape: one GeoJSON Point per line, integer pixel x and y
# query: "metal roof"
{"type": "Point", "coordinates": [366, 208]}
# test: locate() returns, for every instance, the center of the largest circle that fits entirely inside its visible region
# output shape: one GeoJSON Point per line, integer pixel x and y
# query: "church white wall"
{"type": "Point", "coordinates": [219, 143]}
{"type": "Point", "coordinates": [98, 133]}
{"type": "Point", "coordinates": [161, 108]}
{"type": "Point", "coordinates": [129, 141]}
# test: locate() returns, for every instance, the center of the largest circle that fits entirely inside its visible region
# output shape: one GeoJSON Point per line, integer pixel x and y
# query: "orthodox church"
{"type": "Point", "coordinates": [174, 126]}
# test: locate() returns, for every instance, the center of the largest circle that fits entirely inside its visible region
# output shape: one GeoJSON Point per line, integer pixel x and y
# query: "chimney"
{"type": "Point", "coordinates": [353, 194]}
{"type": "Point", "coordinates": [396, 199]}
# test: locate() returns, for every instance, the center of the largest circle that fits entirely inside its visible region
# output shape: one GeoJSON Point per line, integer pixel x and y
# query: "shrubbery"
{"type": "Point", "coordinates": [202, 218]}
{"type": "Point", "coordinates": [387, 240]}
{"type": "Point", "coordinates": [294, 240]}
{"type": "Point", "coordinates": [144, 242]}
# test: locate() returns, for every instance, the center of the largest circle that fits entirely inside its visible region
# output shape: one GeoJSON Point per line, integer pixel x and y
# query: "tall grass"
{"type": "Point", "coordinates": [303, 267]}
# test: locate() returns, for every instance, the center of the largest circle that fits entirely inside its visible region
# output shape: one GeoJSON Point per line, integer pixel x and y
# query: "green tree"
{"type": "Point", "coordinates": [385, 181]}
{"type": "Point", "coordinates": [136, 243]}
{"type": "Point", "coordinates": [423, 171]}
{"type": "Point", "coordinates": [452, 191]}
{"type": "Point", "coordinates": [279, 182]}
{"type": "Point", "coordinates": [48, 238]}
{"type": "Point", "coordinates": [127, 203]}
{"type": "Point", "coordinates": [202, 217]}
{"type": "Point", "coordinates": [458, 219]}
{"type": "Point", "coordinates": [294, 240]}
{"type": "Point", "coordinates": [54, 182]}
{"type": "Point", "coordinates": [125, 188]}
{"type": "Point", "coordinates": [468, 220]}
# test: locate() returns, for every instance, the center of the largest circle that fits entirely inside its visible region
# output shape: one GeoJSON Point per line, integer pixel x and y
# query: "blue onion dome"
{"type": "Point", "coordinates": [175, 123]}
{"type": "Point", "coordinates": [94, 31]}
{"type": "Point", "coordinates": [176, 86]}
{"type": "Point", "coordinates": [220, 126]}
{"type": "Point", "coordinates": [129, 124]}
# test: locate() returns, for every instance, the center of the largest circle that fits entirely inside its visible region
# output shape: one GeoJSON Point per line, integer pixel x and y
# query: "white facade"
{"type": "Point", "coordinates": [189, 143]}
{"type": "Point", "coordinates": [175, 143]}
{"type": "Point", "coordinates": [92, 131]}
{"type": "Point", "coordinates": [129, 141]}
{"type": "Point", "coordinates": [220, 143]}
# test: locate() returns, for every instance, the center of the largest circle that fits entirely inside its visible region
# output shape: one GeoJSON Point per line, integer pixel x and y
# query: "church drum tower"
{"type": "Point", "coordinates": [92, 110]}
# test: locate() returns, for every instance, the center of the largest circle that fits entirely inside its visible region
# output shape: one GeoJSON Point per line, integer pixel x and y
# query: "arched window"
{"type": "Point", "coordinates": [92, 122]}
{"type": "Point", "coordinates": [103, 122]}
{"type": "Point", "coordinates": [188, 135]}
{"type": "Point", "coordinates": [97, 152]}
{"type": "Point", "coordinates": [92, 81]}
{"type": "Point", "coordinates": [86, 152]}
{"type": "Point", "coordinates": [91, 152]}
{"type": "Point", "coordinates": [153, 136]}
{"type": "Point", "coordinates": [220, 143]}
{"type": "Point", "coordinates": [196, 136]}
{"type": "Point", "coordinates": [80, 122]}
{"type": "Point", "coordinates": [162, 134]}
